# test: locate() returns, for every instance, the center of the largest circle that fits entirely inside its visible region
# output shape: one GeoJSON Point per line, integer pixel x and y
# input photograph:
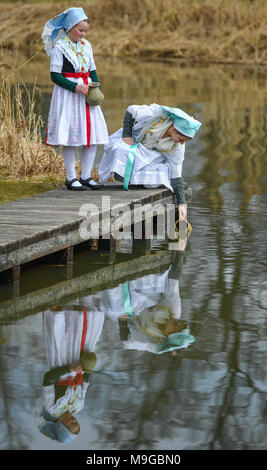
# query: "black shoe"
{"type": "Point", "coordinates": [87, 184]}
{"type": "Point", "coordinates": [74, 188]}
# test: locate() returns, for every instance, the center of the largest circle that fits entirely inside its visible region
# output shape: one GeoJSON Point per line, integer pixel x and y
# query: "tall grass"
{"type": "Point", "coordinates": [198, 30]}
{"type": "Point", "coordinates": [202, 31]}
{"type": "Point", "coordinates": [22, 151]}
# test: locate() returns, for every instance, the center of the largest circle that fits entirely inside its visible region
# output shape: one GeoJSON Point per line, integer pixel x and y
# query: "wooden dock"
{"type": "Point", "coordinates": [50, 222]}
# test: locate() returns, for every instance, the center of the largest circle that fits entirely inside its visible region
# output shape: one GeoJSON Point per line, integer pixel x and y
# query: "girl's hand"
{"type": "Point", "coordinates": [181, 245]}
{"type": "Point", "coordinates": [128, 140]}
{"type": "Point", "coordinates": [182, 211]}
{"type": "Point", "coordinates": [83, 89]}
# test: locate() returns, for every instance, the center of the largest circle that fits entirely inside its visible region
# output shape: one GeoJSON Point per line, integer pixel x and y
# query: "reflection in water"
{"type": "Point", "coordinates": [148, 313]}
{"type": "Point", "coordinates": [154, 312]}
{"type": "Point", "coordinates": [208, 395]}
{"type": "Point", "coordinates": [70, 339]}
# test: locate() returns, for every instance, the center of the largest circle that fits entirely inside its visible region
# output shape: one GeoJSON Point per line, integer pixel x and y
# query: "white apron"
{"type": "Point", "coordinates": [63, 332]}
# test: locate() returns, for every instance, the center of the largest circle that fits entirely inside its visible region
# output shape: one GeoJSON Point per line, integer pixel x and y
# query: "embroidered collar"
{"type": "Point", "coordinates": [77, 50]}
{"type": "Point", "coordinates": [78, 54]}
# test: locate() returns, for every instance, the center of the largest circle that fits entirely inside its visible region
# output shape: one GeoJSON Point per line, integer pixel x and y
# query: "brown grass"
{"type": "Point", "coordinates": [22, 151]}
{"type": "Point", "coordinates": [222, 31]}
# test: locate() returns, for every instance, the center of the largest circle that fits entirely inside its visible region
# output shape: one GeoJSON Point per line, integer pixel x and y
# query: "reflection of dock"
{"type": "Point", "coordinates": [81, 286]}
{"type": "Point", "coordinates": [49, 223]}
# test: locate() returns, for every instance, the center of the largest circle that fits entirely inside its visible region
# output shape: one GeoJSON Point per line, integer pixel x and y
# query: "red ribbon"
{"type": "Point", "coordinates": [72, 381]}
{"type": "Point", "coordinates": [84, 329]}
{"type": "Point", "coordinates": [84, 76]}
{"type": "Point", "coordinates": [78, 378]}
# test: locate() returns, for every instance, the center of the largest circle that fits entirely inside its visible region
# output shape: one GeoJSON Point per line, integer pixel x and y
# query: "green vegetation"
{"type": "Point", "coordinates": [11, 190]}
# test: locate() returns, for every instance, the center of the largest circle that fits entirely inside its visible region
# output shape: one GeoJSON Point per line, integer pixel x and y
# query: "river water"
{"type": "Point", "coordinates": [212, 393]}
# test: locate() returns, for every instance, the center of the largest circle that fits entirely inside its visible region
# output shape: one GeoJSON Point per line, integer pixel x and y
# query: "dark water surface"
{"type": "Point", "coordinates": [212, 394]}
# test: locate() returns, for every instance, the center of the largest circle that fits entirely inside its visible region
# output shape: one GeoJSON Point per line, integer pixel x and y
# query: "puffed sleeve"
{"type": "Point", "coordinates": [56, 62]}
{"type": "Point", "coordinates": [176, 160]}
{"type": "Point", "coordinates": [144, 112]}
{"type": "Point", "coordinates": [92, 65]}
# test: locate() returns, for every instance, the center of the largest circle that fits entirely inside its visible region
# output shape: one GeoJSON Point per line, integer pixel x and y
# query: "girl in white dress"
{"type": "Point", "coordinates": [72, 122]}
{"type": "Point", "coordinates": [149, 149]}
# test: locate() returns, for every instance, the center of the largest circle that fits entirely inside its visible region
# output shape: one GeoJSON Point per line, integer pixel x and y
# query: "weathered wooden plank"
{"type": "Point", "coordinates": [31, 218]}
{"type": "Point", "coordinates": [41, 209]}
{"type": "Point", "coordinates": [33, 222]}
{"type": "Point", "coordinates": [24, 254]}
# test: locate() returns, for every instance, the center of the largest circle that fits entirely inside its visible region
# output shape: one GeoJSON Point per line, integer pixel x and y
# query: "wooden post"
{"type": "Point", "coordinates": [64, 256]}
{"type": "Point", "coordinates": [68, 255]}
{"type": "Point", "coordinates": [15, 289]}
{"type": "Point", "coordinates": [141, 247]}
{"type": "Point", "coordinates": [11, 275]}
{"type": "Point", "coordinates": [68, 271]}
{"type": "Point", "coordinates": [112, 252]}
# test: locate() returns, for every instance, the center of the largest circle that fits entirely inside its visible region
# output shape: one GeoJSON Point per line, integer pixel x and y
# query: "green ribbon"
{"type": "Point", "coordinates": [127, 299]}
{"type": "Point", "coordinates": [176, 341]}
{"type": "Point", "coordinates": [129, 166]}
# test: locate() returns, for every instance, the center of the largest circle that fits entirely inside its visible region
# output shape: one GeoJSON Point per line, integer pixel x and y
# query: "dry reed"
{"type": "Point", "coordinates": [200, 30]}
{"type": "Point", "coordinates": [22, 151]}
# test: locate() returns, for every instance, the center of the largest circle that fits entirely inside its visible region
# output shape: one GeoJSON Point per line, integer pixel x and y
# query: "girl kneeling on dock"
{"type": "Point", "coordinates": [149, 149]}
{"type": "Point", "coordinates": [72, 122]}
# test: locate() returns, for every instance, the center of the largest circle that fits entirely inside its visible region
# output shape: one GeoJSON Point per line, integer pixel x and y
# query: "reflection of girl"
{"type": "Point", "coordinates": [70, 339]}
{"type": "Point", "coordinates": [158, 327]}
{"type": "Point", "coordinates": [149, 150]}
{"type": "Point", "coordinates": [158, 331]}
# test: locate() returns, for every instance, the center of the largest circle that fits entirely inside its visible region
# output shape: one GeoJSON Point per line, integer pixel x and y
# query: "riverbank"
{"type": "Point", "coordinates": [206, 31]}
{"type": "Point", "coordinates": [27, 166]}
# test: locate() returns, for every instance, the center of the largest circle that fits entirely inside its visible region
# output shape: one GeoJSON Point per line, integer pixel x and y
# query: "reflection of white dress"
{"type": "Point", "coordinates": [151, 167]}
{"type": "Point", "coordinates": [63, 333]}
{"type": "Point", "coordinates": [145, 292]}
{"type": "Point", "coordinates": [152, 297]}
